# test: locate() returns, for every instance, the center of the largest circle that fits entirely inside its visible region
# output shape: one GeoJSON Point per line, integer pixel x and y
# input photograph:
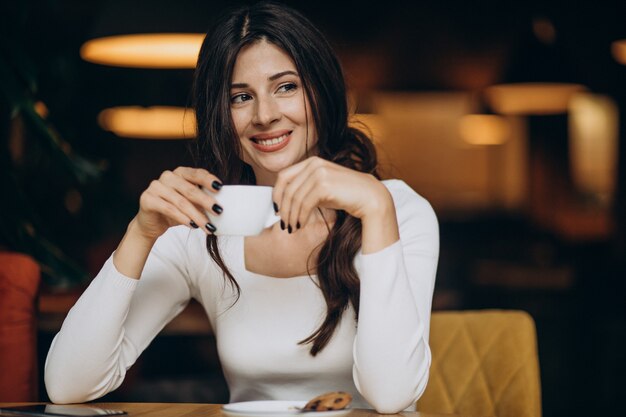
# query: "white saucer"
{"type": "Point", "coordinates": [276, 408]}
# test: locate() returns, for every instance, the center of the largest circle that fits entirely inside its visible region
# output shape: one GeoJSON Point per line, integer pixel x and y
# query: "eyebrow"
{"type": "Point", "coordinates": [271, 78]}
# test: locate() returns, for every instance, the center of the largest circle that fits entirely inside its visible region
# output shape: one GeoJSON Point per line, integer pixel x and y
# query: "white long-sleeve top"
{"type": "Point", "coordinates": [383, 360]}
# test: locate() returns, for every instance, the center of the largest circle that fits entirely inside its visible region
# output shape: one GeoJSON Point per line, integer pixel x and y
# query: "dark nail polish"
{"type": "Point", "coordinates": [289, 229]}
{"type": "Point", "coordinates": [193, 224]}
{"type": "Point", "coordinates": [210, 227]}
{"type": "Point", "coordinates": [298, 225]}
{"type": "Point", "coordinates": [282, 225]}
{"type": "Point", "coordinates": [217, 208]}
{"type": "Point", "coordinates": [275, 207]}
{"type": "Point", "coordinates": [216, 185]}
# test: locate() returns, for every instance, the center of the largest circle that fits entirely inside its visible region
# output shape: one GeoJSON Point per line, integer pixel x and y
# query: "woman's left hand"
{"type": "Point", "coordinates": [316, 182]}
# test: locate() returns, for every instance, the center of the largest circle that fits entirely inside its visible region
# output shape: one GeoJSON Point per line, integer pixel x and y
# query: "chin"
{"type": "Point", "coordinates": [276, 163]}
{"type": "Point", "coordinates": [275, 168]}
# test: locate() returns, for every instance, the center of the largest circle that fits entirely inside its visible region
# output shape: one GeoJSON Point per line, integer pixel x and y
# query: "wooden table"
{"type": "Point", "coordinates": [208, 410]}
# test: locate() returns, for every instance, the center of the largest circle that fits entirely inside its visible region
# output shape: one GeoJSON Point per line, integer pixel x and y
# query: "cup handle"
{"type": "Point", "coordinates": [273, 218]}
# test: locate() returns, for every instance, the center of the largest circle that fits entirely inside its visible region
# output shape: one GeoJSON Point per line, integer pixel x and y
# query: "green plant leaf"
{"type": "Point", "coordinates": [82, 169]}
{"type": "Point", "coordinates": [18, 231]}
{"type": "Point", "coordinates": [58, 270]}
{"type": "Point", "coordinates": [9, 87]}
{"type": "Point", "coordinates": [18, 220]}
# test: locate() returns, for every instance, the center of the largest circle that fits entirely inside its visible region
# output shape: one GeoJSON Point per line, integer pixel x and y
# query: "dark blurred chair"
{"type": "Point", "coordinates": [485, 363]}
{"type": "Point", "coordinates": [19, 283]}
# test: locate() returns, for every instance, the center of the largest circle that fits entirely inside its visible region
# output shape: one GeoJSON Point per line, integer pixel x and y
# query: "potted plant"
{"type": "Point", "coordinates": [22, 125]}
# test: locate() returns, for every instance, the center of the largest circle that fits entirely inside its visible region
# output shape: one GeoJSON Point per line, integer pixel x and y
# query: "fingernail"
{"type": "Point", "coordinates": [210, 227]}
{"type": "Point", "coordinates": [217, 208]}
{"type": "Point", "coordinates": [216, 185]}
{"type": "Point", "coordinates": [282, 225]}
{"type": "Point", "coordinates": [193, 224]}
{"type": "Point", "coordinates": [289, 229]}
{"type": "Point", "coordinates": [298, 225]}
{"type": "Point", "coordinates": [275, 207]}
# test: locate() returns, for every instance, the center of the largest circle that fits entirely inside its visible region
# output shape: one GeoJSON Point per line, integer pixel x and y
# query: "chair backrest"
{"type": "Point", "coordinates": [485, 363]}
{"type": "Point", "coordinates": [19, 283]}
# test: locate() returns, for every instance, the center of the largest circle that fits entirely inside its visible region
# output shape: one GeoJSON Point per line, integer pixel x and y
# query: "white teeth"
{"type": "Point", "coordinates": [273, 141]}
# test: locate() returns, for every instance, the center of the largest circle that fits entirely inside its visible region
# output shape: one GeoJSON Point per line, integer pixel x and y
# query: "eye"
{"type": "Point", "coordinates": [240, 98]}
{"type": "Point", "coordinates": [287, 87]}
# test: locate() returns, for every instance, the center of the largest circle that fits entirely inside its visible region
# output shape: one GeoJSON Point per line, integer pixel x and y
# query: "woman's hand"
{"type": "Point", "coordinates": [176, 198]}
{"type": "Point", "coordinates": [315, 182]}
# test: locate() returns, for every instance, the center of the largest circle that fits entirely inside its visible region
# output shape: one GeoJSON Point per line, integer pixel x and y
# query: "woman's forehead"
{"type": "Point", "coordinates": [261, 59]}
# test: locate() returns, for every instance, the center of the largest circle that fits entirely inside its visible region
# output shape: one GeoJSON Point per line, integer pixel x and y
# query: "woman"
{"type": "Point", "coordinates": [336, 296]}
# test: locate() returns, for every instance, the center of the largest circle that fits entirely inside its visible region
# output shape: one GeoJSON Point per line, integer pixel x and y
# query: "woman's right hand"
{"type": "Point", "coordinates": [176, 198]}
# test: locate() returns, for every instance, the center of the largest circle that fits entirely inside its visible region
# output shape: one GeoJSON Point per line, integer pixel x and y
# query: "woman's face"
{"type": "Point", "coordinates": [270, 111]}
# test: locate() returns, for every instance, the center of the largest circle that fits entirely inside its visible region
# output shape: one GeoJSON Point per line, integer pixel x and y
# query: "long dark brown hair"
{"type": "Point", "coordinates": [218, 148]}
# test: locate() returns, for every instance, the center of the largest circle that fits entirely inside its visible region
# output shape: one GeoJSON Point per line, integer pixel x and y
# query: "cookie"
{"type": "Point", "coordinates": [329, 401]}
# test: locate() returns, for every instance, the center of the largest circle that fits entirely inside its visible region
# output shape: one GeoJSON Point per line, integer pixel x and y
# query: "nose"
{"type": "Point", "coordinates": [266, 111]}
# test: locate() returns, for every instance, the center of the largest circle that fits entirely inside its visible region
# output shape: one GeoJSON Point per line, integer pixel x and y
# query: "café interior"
{"type": "Point", "coordinates": [507, 117]}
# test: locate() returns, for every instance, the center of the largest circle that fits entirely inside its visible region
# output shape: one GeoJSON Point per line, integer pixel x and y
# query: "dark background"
{"type": "Point", "coordinates": [395, 46]}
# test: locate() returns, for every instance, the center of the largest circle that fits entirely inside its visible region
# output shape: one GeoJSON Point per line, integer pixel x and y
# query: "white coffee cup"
{"type": "Point", "coordinates": [247, 210]}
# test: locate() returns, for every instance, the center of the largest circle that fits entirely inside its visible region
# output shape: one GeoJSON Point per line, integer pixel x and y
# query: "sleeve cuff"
{"type": "Point", "coordinates": [373, 259]}
{"type": "Point", "coordinates": [119, 280]}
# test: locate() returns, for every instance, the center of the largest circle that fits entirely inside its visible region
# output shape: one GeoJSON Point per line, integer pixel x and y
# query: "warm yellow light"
{"type": "Point", "coordinates": [593, 141]}
{"type": "Point", "coordinates": [618, 48]}
{"type": "Point", "coordinates": [157, 122]}
{"type": "Point", "coordinates": [484, 129]}
{"type": "Point", "coordinates": [531, 98]}
{"type": "Point", "coordinates": [155, 50]}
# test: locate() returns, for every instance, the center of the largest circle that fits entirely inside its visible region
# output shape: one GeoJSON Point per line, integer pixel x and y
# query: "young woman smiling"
{"type": "Point", "coordinates": [336, 296]}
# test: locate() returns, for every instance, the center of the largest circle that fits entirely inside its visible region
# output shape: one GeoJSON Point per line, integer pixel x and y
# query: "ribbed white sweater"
{"type": "Point", "coordinates": [383, 360]}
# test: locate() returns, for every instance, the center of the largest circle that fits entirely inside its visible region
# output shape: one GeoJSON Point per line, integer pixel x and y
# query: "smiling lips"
{"type": "Point", "coordinates": [271, 142]}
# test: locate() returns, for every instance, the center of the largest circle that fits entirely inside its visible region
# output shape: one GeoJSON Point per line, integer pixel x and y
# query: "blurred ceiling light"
{"type": "Point", "coordinates": [618, 48]}
{"type": "Point", "coordinates": [531, 98]}
{"type": "Point", "coordinates": [158, 122]}
{"type": "Point", "coordinates": [593, 141]}
{"type": "Point", "coordinates": [155, 50]}
{"type": "Point", "coordinates": [484, 129]}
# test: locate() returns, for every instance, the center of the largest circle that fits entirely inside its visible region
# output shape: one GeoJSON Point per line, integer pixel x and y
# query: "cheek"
{"type": "Point", "coordinates": [295, 110]}
{"type": "Point", "coordinates": [239, 121]}
{"type": "Point", "coordinates": [245, 154]}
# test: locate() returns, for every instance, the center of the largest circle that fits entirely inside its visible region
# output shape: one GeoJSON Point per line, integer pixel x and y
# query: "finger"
{"type": "Point", "coordinates": [304, 193]}
{"type": "Point", "coordinates": [290, 206]}
{"type": "Point", "coordinates": [305, 200]}
{"type": "Point", "coordinates": [316, 191]}
{"type": "Point", "coordinates": [284, 178]}
{"type": "Point", "coordinates": [171, 213]}
{"type": "Point", "coordinates": [200, 177]}
{"type": "Point", "coordinates": [201, 199]}
{"type": "Point", "coordinates": [182, 204]}
{"type": "Point", "coordinates": [287, 183]}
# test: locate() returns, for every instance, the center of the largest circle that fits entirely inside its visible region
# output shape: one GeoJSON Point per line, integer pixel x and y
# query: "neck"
{"type": "Point", "coordinates": [325, 215]}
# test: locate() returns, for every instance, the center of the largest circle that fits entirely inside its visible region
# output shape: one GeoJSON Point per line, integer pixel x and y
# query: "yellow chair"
{"type": "Point", "coordinates": [484, 364]}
